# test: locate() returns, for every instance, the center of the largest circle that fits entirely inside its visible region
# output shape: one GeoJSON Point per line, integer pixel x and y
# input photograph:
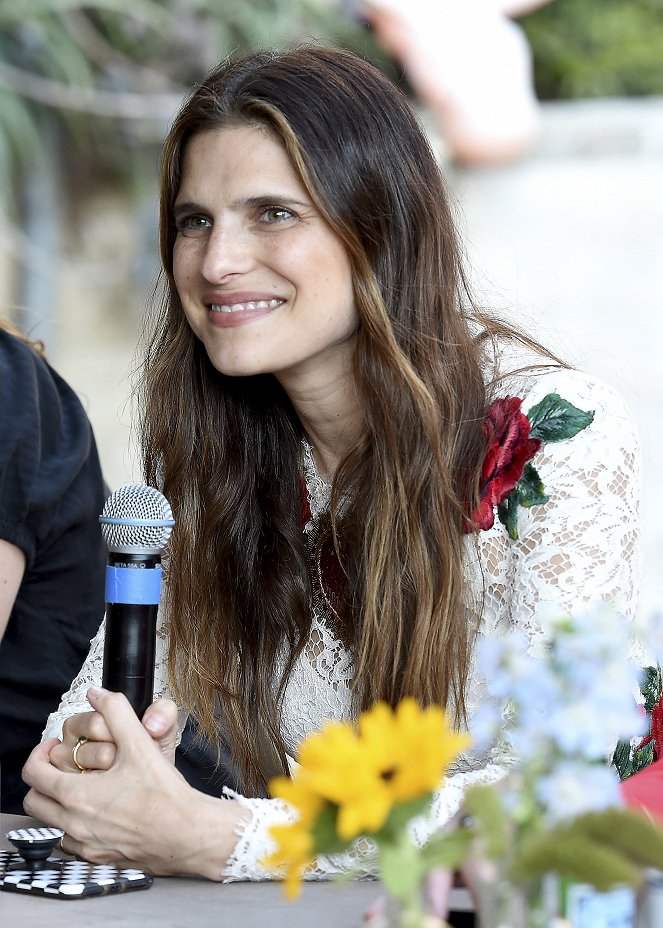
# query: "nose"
{"type": "Point", "coordinates": [227, 252]}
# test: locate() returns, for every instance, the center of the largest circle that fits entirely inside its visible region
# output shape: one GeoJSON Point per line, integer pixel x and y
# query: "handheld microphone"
{"type": "Point", "coordinates": [136, 523]}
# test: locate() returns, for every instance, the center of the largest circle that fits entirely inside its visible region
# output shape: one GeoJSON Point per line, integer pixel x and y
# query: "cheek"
{"type": "Point", "coordinates": [183, 266]}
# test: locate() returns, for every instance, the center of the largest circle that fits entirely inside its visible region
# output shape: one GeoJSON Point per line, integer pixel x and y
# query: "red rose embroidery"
{"type": "Point", "coordinates": [656, 731]}
{"type": "Point", "coordinates": [507, 432]}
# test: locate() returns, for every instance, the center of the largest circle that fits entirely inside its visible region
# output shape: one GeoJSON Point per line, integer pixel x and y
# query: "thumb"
{"type": "Point", "coordinates": [160, 720]}
{"type": "Point", "coordinates": [124, 727]}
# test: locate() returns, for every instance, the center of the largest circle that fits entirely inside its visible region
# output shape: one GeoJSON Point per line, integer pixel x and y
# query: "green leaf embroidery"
{"type": "Point", "coordinates": [507, 512]}
{"type": "Point", "coordinates": [530, 488]}
{"type": "Point", "coordinates": [621, 759]}
{"type": "Point", "coordinates": [555, 419]}
{"type": "Point", "coordinates": [651, 686]}
{"type": "Point", "coordinates": [643, 758]}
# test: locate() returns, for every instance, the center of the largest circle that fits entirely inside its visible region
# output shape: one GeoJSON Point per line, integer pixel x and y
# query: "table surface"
{"type": "Point", "coordinates": [187, 902]}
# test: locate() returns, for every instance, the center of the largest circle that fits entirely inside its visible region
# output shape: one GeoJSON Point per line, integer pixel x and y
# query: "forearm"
{"type": "Point", "coordinates": [12, 568]}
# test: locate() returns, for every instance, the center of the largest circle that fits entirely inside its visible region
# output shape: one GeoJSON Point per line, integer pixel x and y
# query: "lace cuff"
{"type": "Point", "coordinates": [255, 843]}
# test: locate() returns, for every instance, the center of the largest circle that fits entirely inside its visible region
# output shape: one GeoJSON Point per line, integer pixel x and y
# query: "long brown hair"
{"type": "Point", "coordinates": [227, 451]}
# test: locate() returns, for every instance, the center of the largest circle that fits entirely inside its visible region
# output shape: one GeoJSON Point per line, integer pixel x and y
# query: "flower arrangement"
{"type": "Point", "coordinates": [508, 478]}
{"type": "Point", "coordinates": [553, 711]}
{"type": "Point", "coordinates": [370, 781]}
{"type": "Point", "coordinates": [560, 810]}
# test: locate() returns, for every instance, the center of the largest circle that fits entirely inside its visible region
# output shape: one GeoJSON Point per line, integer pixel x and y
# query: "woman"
{"type": "Point", "coordinates": [314, 397]}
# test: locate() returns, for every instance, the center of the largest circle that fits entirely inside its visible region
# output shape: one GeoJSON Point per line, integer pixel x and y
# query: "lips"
{"type": "Point", "coordinates": [231, 309]}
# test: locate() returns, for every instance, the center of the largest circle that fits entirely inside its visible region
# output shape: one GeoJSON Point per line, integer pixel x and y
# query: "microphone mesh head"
{"type": "Point", "coordinates": [136, 519]}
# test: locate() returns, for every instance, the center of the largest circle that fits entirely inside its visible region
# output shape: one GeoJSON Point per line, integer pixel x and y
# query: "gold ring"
{"type": "Point", "coordinates": [74, 753]}
{"type": "Point", "coordinates": [62, 845]}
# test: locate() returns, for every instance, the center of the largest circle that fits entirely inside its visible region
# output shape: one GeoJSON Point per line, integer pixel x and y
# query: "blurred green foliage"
{"type": "Point", "coordinates": [597, 48]}
{"type": "Point", "coordinates": [101, 78]}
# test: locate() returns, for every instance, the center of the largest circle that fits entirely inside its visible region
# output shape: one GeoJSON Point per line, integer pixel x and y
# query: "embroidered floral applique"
{"type": "Point", "coordinates": [508, 478]}
{"type": "Point", "coordinates": [633, 755]}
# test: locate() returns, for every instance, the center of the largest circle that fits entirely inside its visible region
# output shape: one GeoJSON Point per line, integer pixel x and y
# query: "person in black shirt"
{"type": "Point", "coordinates": [52, 554]}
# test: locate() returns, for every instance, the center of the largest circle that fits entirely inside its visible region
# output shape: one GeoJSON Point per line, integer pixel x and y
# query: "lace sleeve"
{"type": "Point", "coordinates": [90, 674]}
{"type": "Point", "coordinates": [584, 544]}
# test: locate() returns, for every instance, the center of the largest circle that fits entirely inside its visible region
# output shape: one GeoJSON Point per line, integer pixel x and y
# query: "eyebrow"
{"type": "Point", "coordinates": [275, 199]}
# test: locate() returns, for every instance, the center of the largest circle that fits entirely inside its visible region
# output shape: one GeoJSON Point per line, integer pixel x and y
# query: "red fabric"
{"type": "Point", "coordinates": [507, 433]}
{"type": "Point", "coordinates": [656, 731]}
{"type": "Point", "coordinates": [644, 789]}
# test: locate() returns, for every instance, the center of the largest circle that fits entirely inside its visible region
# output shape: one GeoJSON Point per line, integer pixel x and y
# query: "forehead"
{"type": "Point", "coordinates": [235, 160]}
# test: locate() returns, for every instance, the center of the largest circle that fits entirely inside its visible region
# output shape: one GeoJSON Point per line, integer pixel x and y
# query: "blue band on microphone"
{"type": "Point", "coordinates": [141, 586]}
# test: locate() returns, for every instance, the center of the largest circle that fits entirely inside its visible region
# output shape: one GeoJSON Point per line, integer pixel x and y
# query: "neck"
{"type": "Point", "coordinates": [330, 413]}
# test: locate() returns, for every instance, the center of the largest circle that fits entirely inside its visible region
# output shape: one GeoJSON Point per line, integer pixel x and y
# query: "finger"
{"type": "Point", "coordinates": [91, 727]}
{"type": "Point", "coordinates": [437, 888]}
{"type": "Point", "coordinates": [89, 724]}
{"type": "Point", "coordinates": [46, 809]}
{"type": "Point", "coordinates": [477, 872]}
{"type": "Point", "coordinates": [160, 720]}
{"type": "Point", "coordinates": [87, 756]}
{"type": "Point", "coordinates": [83, 851]}
{"type": "Point", "coordinates": [38, 772]}
{"type": "Point", "coordinates": [125, 728]}
{"type": "Point", "coordinates": [44, 780]}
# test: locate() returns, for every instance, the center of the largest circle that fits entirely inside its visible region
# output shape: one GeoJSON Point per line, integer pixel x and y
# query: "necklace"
{"type": "Point", "coordinates": [326, 573]}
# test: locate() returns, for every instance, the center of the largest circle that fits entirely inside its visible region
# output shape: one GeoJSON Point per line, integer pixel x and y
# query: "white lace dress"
{"type": "Point", "coordinates": [581, 546]}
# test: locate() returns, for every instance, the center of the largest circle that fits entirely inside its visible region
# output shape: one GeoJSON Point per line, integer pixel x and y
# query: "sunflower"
{"type": "Point", "coordinates": [350, 778]}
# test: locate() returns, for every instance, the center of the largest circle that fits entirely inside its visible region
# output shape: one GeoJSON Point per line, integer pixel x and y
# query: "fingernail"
{"type": "Point", "coordinates": [156, 724]}
{"type": "Point", "coordinates": [96, 691]}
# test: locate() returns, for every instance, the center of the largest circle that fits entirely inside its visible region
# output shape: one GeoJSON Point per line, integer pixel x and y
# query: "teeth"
{"type": "Point", "coordinates": [242, 307]}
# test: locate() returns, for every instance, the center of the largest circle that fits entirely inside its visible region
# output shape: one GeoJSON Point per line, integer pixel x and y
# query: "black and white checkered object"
{"type": "Point", "coordinates": [64, 879]}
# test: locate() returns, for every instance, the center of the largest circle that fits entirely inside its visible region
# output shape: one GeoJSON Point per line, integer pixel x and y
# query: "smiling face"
{"type": "Point", "coordinates": [264, 281]}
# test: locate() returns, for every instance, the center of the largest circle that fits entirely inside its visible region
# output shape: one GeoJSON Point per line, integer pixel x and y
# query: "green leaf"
{"type": "Point", "coordinates": [325, 835]}
{"type": "Point", "coordinates": [530, 488]}
{"type": "Point", "coordinates": [402, 812]}
{"type": "Point", "coordinates": [555, 419]}
{"type": "Point", "coordinates": [621, 759]}
{"type": "Point", "coordinates": [627, 832]}
{"type": "Point", "coordinates": [401, 868]}
{"type": "Point", "coordinates": [507, 513]}
{"type": "Point", "coordinates": [574, 856]}
{"type": "Point", "coordinates": [643, 758]}
{"type": "Point", "coordinates": [484, 804]}
{"type": "Point", "coordinates": [446, 850]}
{"type": "Point", "coordinates": [651, 686]}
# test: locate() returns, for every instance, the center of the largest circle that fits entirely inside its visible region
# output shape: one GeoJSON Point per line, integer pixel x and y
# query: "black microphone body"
{"type": "Point", "coordinates": [136, 524]}
{"type": "Point", "coordinates": [130, 641]}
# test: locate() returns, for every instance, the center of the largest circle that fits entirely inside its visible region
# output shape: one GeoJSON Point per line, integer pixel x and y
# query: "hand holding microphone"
{"type": "Point", "coordinates": [136, 524]}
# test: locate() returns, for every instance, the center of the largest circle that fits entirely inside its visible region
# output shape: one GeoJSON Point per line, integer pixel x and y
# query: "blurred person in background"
{"type": "Point", "coordinates": [52, 554]}
{"type": "Point", "coordinates": [470, 65]}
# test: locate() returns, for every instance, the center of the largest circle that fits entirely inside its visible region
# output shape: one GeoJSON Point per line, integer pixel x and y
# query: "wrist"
{"type": "Point", "coordinates": [215, 823]}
